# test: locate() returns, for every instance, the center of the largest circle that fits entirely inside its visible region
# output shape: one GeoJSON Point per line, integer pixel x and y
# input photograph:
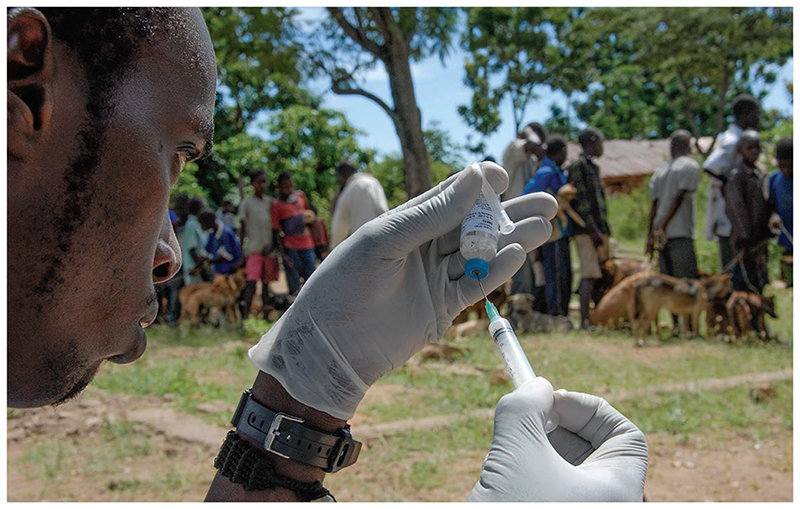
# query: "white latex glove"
{"type": "Point", "coordinates": [394, 285]}
{"type": "Point", "coordinates": [596, 454]}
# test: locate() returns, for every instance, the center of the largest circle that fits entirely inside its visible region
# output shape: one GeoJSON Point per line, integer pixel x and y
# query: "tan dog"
{"type": "Point", "coordinates": [621, 268]}
{"type": "Point", "coordinates": [564, 196]}
{"type": "Point", "coordinates": [682, 297]}
{"type": "Point", "coordinates": [498, 297]}
{"type": "Point", "coordinates": [746, 313]}
{"type": "Point", "coordinates": [613, 309]}
{"type": "Point", "coordinates": [198, 301]}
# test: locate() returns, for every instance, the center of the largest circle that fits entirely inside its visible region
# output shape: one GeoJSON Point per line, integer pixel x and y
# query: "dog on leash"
{"type": "Point", "coordinates": [681, 297]}
{"type": "Point", "coordinates": [685, 298]}
{"type": "Point", "coordinates": [746, 313]}
{"type": "Point", "coordinates": [524, 319]}
{"type": "Point", "coordinates": [615, 270]}
{"type": "Point", "coordinates": [498, 297]}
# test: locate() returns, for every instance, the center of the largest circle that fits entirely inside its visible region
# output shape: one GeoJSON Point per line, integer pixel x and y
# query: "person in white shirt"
{"type": "Point", "coordinates": [720, 164]}
{"type": "Point", "coordinates": [521, 159]}
{"type": "Point", "coordinates": [360, 199]}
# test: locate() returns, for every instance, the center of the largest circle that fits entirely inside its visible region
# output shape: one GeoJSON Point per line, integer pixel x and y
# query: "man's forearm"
{"type": "Point", "coordinates": [673, 209]}
{"type": "Point", "coordinates": [270, 393]}
{"type": "Point", "coordinates": [651, 217]}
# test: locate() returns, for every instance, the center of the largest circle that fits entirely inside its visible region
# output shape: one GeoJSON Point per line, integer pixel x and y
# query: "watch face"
{"type": "Point", "coordinates": [326, 498]}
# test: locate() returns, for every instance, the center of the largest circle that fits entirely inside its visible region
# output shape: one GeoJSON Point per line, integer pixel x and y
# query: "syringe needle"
{"type": "Point", "coordinates": [482, 290]}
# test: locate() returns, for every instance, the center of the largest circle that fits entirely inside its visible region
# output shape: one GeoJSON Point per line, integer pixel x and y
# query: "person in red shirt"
{"type": "Point", "coordinates": [289, 230]}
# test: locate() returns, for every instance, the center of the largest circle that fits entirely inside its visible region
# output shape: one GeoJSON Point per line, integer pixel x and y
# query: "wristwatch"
{"type": "Point", "coordinates": [288, 436]}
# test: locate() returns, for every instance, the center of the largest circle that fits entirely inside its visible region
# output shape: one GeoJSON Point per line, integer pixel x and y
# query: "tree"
{"type": "Point", "coordinates": [358, 38]}
{"type": "Point", "coordinates": [309, 143]}
{"type": "Point", "coordinates": [256, 73]}
{"type": "Point", "coordinates": [680, 64]}
{"type": "Point", "coordinates": [507, 59]}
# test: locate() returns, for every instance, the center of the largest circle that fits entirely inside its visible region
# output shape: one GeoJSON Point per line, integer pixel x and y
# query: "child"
{"type": "Point", "coordinates": [780, 197]}
{"type": "Point", "coordinates": [296, 245]}
{"type": "Point", "coordinates": [748, 211]}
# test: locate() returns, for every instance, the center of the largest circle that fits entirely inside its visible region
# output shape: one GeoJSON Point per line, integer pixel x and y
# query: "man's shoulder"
{"type": "Point", "coordinates": [685, 163]}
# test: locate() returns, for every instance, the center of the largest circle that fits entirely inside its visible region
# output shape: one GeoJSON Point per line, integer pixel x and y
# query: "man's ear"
{"type": "Point", "coordinates": [30, 64]}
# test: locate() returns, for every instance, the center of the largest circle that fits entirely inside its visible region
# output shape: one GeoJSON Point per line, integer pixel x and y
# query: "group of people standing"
{"type": "Point", "coordinates": [536, 160]}
{"type": "Point", "coordinates": [745, 208]}
{"type": "Point", "coordinates": [269, 231]}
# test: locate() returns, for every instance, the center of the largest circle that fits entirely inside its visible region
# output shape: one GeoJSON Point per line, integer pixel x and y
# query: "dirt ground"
{"type": "Point", "coordinates": [176, 464]}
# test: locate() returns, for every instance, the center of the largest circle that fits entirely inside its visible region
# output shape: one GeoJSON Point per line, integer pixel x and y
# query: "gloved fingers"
{"type": "Point", "coordinates": [519, 209]}
{"type": "Point", "coordinates": [523, 413]}
{"type": "Point", "coordinates": [593, 419]}
{"type": "Point", "coordinates": [495, 175]}
{"type": "Point", "coordinates": [530, 233]}
{"type": "Point", "coordinates": [534, 204]}
{"type": "Point", "coordinates": [501, 268]}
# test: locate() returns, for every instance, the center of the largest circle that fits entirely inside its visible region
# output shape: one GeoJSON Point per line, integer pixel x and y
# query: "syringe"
{"type": "Point", "coordinates": [517, 365]}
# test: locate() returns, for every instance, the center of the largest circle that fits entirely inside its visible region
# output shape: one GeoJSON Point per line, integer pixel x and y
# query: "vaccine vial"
{"type": "Point", "coordinates": [479, 234]}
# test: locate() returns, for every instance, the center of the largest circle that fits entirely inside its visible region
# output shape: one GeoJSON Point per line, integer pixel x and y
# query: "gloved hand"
{"type": "Point", "coordinates": [595, 454]}
{"type": "Point", "coordinates": [394, 285]}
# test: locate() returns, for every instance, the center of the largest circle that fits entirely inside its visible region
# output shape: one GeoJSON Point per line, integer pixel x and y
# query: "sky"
{"type": "Point", "coordinates": [440, 89]}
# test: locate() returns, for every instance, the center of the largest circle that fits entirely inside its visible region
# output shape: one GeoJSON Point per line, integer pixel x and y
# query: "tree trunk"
{"type": "Point", "coordinates": [408, 121]}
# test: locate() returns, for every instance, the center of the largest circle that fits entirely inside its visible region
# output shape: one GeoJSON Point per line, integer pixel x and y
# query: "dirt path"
{"type": "Point", "coordinates": [740, 470]}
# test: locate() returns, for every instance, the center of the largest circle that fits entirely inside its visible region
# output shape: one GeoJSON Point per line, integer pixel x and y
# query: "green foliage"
{"type": "Point", "coordinates": [643, 72]}
{"type": "Point", "coordinates": [560, 123]}
{"type": "Point", "coordinates": [650, 70]}
{"type": "Point", "coordinates": [506, 48]}
{"type": "Point", "coordinates": [628, 214]}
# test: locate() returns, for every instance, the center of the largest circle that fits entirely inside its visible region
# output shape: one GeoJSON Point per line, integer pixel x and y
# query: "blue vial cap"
{"type": "Point", "coordinates": [476, 268]}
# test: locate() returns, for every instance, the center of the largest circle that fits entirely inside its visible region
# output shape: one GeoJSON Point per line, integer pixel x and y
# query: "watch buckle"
{"type": "Point", "coordinates": [345, 452]}
{"type": "Point", "coordinates": [273, 431]}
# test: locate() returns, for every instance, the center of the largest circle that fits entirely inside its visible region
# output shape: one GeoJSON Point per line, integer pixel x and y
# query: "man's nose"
{"type": "Point", "coordinates": [167, 259]}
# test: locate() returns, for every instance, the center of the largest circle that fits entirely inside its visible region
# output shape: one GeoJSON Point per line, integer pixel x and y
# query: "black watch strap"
{"type": "Point", "coordinates": [288, 437]}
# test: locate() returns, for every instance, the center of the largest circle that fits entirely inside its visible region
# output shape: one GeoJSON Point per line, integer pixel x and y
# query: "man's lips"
{"type": "Point", "coordinates": [140, 344]}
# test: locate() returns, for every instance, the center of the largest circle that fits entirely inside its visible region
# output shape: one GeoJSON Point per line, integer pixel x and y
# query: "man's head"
{"type": "Point", "coordinates": [105, 107]}
{"type": "Point", "coordinates": [258, 179]}
{"type": "Point", "coordinates": [345, 170]}
{"type": "Point", "coordinates": [783, 153]}
{"type": "Point", "coordinates": [539, 129]}
{"type": "Point", "coordinates": [532, 147]}
{"type": "Point", "coordinates": [591, 141]}
{"type": "Point", "coordinates": [556, 149]}
{"type": "Point", "coordinates": [195, 205]}
{"type": "Point", "coordinates": [680, 143]}
{"type": "Point", "coordinates": [749, 146]}
{"type": "Point", "coordinates": [207, 218]}
{"type": "Point", "coordinates": [285, 184]}
{"type": "Point", "coordinates": [746, 111]}
{"type": "Point", "coordinates": [227, 207]}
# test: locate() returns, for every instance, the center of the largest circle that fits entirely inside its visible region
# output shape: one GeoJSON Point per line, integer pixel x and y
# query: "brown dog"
{"type": "Point", "coordinates": [746, 313]}
{"type": "Point", "coordinates": [615, 270]}
{"type": "Point", "coordinates": [198, 301]}
{"type": "Point", "coordinates": [613, 309]}
{"type": "Point", "coordinates": [498, 297]}
{"type": "Point", "coordinates": [682, 297]}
